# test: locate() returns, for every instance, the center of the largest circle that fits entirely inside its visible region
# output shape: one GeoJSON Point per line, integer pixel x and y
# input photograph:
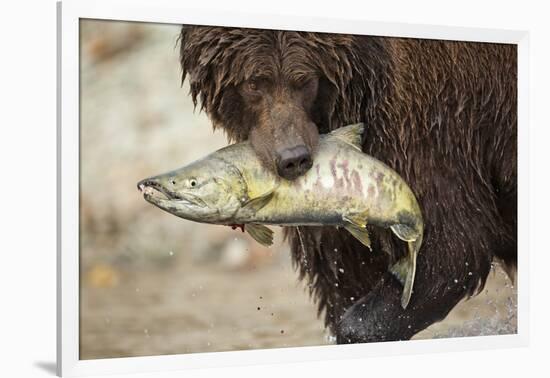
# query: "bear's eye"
{"type": "Point", "coordinates": [252, 85]}
{"type": "Point", "coordinates": [254, 88]}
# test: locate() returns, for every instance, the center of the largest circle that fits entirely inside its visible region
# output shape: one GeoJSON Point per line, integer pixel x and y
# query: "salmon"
{"type": "Point", "coordinates": [344, 188]}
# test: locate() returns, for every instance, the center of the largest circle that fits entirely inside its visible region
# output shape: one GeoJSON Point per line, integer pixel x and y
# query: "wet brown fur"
{"type": "Point", "coordinates": [441, 113]}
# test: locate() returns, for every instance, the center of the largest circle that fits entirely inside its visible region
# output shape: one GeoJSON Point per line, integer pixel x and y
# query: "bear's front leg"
{"type": "Point", "coordinates": [378, 316]}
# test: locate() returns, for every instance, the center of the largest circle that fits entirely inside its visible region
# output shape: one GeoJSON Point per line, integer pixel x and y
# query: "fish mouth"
{"type": "Point", "coordinates": [156, 193]}
{"type": "Point", "coordinates": [153, 192]}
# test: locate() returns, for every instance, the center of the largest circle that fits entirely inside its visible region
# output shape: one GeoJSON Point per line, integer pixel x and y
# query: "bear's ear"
{"type": "Point", "coordinates": [182, 41]}
{"type": "Point", "coordinates": [183, 34]}
{"type": "Point", "coordinates": [191, 43]}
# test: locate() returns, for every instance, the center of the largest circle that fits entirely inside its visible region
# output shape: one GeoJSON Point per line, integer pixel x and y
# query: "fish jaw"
{"type": "Point", "coordinates": [182, 205]}
{"type": "Point", "coordinates": [156, 193]}
{"type": "Point", "coordinates": [189, 204]}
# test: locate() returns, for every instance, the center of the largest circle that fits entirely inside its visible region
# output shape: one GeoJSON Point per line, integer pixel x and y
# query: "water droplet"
{"type": "Point", "coordinates": [456, 281]}
{"type": "Point", "coordinates": [335, 249]}
{"type": "Point", "coordinates": [341, 270]}
{"type": "Point", "coordinates": [171, 253]}
{"type": "Point", "coordinates": [470, 273]}
{"type": "Point", "coordinates": [336, 284]}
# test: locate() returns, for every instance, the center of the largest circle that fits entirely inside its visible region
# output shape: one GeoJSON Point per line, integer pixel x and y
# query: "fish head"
{"type": "Point", "coordinates": [209, 191]}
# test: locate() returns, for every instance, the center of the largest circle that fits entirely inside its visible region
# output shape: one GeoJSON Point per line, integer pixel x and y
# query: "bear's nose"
{"type": "Point", "coordinates": [293, 162]}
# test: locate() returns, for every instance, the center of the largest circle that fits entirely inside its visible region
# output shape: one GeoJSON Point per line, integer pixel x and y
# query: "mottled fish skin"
{"type": "Point", "coordinates": [342, 181]}
{"type": "Point", "coordinates": [345, 187]}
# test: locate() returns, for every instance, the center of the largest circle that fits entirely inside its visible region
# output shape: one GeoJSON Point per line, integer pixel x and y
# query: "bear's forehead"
{"type": "Point", "coordinates": [272, 58]}
{"type": "Point", "coordinates": [238, 54]}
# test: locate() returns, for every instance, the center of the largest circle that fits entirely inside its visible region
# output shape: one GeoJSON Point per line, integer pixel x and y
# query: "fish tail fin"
{"type": "Point", "coordinates": [405, 270]}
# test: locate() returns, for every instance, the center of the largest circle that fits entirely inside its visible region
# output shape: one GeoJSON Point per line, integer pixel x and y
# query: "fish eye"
{"type": "Point", "coordinates": [193, 182]}
{"type": "Point", "coordinates": [173, 182]}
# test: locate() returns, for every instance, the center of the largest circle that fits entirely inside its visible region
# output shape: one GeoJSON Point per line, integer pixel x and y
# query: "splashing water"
{"type": "Point", "coordinates": [301, 241]}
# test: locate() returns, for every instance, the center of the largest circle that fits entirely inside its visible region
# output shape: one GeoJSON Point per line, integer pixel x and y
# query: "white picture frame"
{"type": "Point", "coordinates": [173, 12]}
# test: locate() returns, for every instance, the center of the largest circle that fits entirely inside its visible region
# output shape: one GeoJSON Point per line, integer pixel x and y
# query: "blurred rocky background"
{"type": "Point", "coordinates": [152, 283]}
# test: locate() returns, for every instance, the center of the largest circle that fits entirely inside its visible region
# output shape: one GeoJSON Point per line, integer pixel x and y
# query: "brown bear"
{"type": "Point", "coordinates": [443, 114]}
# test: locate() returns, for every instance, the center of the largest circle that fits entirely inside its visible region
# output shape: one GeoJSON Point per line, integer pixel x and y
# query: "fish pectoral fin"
{"type": "Point", "coordinates": [260, 233]}
{"type": "Point", "coordinates": [405, 270]}
{"type": "Point", "coordinates": [253, 205]}
{"type": "Point", "coordinates": [357, 226]}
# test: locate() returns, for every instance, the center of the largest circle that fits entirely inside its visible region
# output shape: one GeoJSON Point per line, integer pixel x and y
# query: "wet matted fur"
{"type": "Point", "coordinates": [443, 114]}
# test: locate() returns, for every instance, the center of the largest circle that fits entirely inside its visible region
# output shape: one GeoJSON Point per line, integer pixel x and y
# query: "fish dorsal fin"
{"type": "Point", "coordinates": [351, 134]}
